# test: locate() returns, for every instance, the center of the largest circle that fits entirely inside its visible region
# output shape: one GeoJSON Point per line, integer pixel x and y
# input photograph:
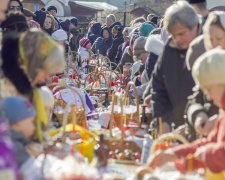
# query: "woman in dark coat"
{"type": "Point", "coordinates": [103, 43]}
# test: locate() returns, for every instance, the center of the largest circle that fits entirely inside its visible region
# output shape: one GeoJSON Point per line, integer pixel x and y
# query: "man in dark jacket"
{"type": "Point", "coordinates": [95, 32]}
{"type": "Point", "coordinates": [172, 83]}
{"type": "Point", "coordinates": [118, 40]}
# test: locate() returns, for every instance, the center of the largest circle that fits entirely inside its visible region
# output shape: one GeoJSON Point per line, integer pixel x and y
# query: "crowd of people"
{"type": "Point", "coordinates": [176, 63]}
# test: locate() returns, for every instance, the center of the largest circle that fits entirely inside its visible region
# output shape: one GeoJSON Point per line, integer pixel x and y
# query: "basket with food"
{"type": "Point", "coordinates": [81, 100]}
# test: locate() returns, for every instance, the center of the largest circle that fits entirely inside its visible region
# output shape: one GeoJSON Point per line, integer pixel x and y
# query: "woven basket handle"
{"type": "Point", "coordinates": [127, 96]}
{"type": "Point", "coordinates": [170, 137]}
{"type": "Point", "coordinates": [112, 117]}
{"type": "Point", "coordinates": [97, 78]}
{"type": "Point", "coordinates": [74, 116]}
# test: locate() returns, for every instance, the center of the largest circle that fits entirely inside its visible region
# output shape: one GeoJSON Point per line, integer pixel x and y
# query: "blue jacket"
{"type": "Point", "coordinates": [102, 45]}
{"type": "Point", "coordinates": [95, 32]}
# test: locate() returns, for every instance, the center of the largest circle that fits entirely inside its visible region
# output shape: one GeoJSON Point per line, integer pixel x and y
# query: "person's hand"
{"type": "Point", "coordinates": [161, 157]}
{"type": "Point", "coordinates": [200, 122]}
{"type": "Point", "coordinates": [147, 100]}
{"type": "Point", "coordinates": [180, 130]}
{"type": "Point", "coordinates": [209, 125]}
{"type": "Point", "coordinates": [199, 153]}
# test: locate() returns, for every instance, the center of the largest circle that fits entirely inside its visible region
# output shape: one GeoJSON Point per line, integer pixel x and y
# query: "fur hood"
{"type": "Point", "coordinates": [154, 45]}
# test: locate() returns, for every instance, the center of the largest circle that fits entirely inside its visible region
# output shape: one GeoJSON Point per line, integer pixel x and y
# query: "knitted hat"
{"type": "Point", "coordinates": [16, 109]}
{"type": "Point", "coordinates": [52, 8]}
{"type": "Point", "coordinates": [139, 46]}
{"type": "Point", "coordinates": [196, 1]}
{"type": "Point", "coordinates": [60, 35]}
{"type": "Point", "coordinates": [40, 17]}
{"type": "Point", "coordinates": [154, 45]}
{"type": "Point", "coordinates": [209, 68]}
{"type": "Point", "coordinates": [84, 42]}
{"type": "Point", "coordinates": [154, 20]}
{"type": "Point", "coordinates": [65, 25]}
{"type": "Point", "coordinates": [74, 21]}
{"type": "Point", "coordinates": [145, 29]}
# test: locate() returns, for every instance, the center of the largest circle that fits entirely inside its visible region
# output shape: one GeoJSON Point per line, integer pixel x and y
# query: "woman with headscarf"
{"type": "Point", "coordinates": [27, 61]}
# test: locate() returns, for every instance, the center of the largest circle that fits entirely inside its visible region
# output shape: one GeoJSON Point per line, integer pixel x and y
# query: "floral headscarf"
{"type": "Point", "coordinates": [38, 51]}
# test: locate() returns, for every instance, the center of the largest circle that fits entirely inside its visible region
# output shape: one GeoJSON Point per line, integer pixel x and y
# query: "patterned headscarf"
{"type": "Point", "coordinates": [38, 51]}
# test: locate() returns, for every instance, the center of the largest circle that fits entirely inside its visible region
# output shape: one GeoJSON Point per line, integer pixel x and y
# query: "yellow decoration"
{"type": "Point", "coordinates": [209, 175]}
{"type": "Point", "coordinates": [41, 117]}
{"type": "Point", "coordinates": [86, 148]}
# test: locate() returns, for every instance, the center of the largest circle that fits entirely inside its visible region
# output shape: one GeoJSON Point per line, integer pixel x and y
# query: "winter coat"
{"type": "Point", "coordinates": [20, 142]}
{"type": "Point", "coordinates": [120, 51]}
{"type": "Point", "coordinates": [118, 40]}
{"type": "Point", "coordinates": [171, 84]}
{"type": "Point", "coordinates": [83, 53]}
{"type": "Point", "coordinates": [196, 49]}
{"type": "Point", "coordinates": [197, 103]}
{"type": "Point", "coordinates": [102, 45]}
{"type": "Point", "coordinates": [155, 47]}
{"type": "Point", "coordinates": [95, 32]}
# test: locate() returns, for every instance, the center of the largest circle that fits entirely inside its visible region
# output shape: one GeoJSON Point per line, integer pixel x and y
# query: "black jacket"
{"type": "Point", "coordinates": [118, 40]}
{"type": "Point", "coordinates": [171, 84]}
{"type": "Point", "coordinates": [150, 64]}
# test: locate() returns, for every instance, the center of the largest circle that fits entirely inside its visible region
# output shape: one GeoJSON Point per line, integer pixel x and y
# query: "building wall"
{"type": "Point", "coordinates": [118, 3]}
{"type": "Point", "coordinates": [214, 3]}
{"type": "Point", "coordinates": [33, 5]}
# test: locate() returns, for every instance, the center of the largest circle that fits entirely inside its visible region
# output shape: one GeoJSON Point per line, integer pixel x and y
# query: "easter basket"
{"type": "Point", "coordinates": [125, 151]}
{"type": "Point", "coordinates": [60, 105]}
{"type": "Point", "coordinates": [79, 138]}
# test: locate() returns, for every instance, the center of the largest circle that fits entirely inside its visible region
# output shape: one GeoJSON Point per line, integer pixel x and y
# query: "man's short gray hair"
{"type": "Point", "coordinates": [180, 12]}
{"type": "Point", "coordinates": [112, 17]}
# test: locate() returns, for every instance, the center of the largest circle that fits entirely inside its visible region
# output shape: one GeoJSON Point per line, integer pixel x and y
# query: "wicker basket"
{"type": "Point", "coordinates": [80, 112]}
{"type": "Point", "coordinates": [120, 144]}
{"type": "Point", "coordinates": [131, 119]}
{"type": "Point", "coordinates": [166, 141]}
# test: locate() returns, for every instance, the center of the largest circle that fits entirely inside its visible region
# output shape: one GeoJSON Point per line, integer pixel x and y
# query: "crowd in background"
{"type": "Point", "coordinates": [177, 64]}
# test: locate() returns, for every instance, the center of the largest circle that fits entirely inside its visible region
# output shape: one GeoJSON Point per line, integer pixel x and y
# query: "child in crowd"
{"type": "Point", "coordinates": [84, 48]}
{"type": "Point", "coordinates": [84, 52]}
{"type": "Point", "coordinates": [20, 114]}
